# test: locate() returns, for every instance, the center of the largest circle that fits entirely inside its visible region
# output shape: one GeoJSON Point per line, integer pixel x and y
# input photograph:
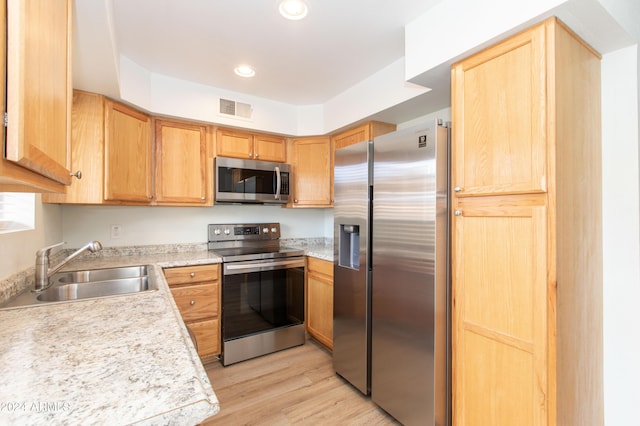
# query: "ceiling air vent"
{"type": "Point", "coordinates": [235, 109]}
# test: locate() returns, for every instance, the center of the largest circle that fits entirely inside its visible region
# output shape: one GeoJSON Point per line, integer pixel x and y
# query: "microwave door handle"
{"type": "Point", "coordinates": [278, 183]}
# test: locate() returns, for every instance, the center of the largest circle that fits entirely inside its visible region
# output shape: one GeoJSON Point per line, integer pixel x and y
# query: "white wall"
{"type": "Point", "coordinates": [621, 233]}
{"type": "Point", "coordinates": [173, 225]}
{"type": "Point", "coordinates": [165, 95]}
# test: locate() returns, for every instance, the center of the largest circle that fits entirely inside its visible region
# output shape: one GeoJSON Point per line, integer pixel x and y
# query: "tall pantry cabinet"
{"type": "Point", "coordinates": [527, 233]}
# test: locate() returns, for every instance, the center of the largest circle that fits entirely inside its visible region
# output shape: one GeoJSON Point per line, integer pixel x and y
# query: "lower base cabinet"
{"type": "Point", "coordinates": [196, 291]}
{"type": "Point", "coordinates": [320, 301]}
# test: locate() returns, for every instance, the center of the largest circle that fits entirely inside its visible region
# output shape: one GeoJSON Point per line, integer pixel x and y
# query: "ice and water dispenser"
{"type": "Point", "coordinates": [349, 252]}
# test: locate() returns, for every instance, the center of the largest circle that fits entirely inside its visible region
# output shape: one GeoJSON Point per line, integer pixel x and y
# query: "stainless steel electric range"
{"type": "Point", "coordinates": [262, 290]}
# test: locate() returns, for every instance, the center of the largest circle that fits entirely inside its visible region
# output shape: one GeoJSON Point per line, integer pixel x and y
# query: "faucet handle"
{"type": "Point", "coordinates": [45, 250]}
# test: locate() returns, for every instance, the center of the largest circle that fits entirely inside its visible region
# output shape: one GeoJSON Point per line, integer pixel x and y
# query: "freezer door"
{"type": "Point", "coordinates": [351, 300]}
{"type": "Point", "coordinates": [409, 254]}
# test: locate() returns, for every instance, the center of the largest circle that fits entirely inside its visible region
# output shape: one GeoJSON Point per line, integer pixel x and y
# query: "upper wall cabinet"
{"type": "Point", "coordinates": [87, 151]}
{"type": "Point", "coordinates": [250, 146]}
{"type": "Point", "coordinates": [111, 146]}
{"type": "Point", "coordinates": [364, 132]}
{"type": "Point", "coordinates": [182, 174]}
{"type": "Point", "coordinates": [127, 149]}
{"type": "Point", "coordinates": [38, 94]}
{"type": "Point", "coordinates": [312, 163]}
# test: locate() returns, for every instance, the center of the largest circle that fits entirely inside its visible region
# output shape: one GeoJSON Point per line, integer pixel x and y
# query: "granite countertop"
{"type": "Point", "coordinates": [126, 359]}
{"type": "Point", "coordinates": [321, 248]}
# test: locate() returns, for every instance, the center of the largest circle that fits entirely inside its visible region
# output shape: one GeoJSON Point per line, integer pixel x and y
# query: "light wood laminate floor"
{"type": "Point", "coordinates": [296, 386]}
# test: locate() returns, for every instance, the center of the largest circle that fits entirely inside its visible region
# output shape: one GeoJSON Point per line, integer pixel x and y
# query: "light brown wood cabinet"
{"type": "Point", "coordinates": [363, 132]}
{"type": "Point", "coordinates": [112, 145]}
{"type": "Point", "coordinates": [312, 162]}
{"type": "Point", "coordinates": [320, 300]}
{"type": "Point", "coordinates": [251, 146]}
{"type": "Point", "coordinates": [127, 150]}
{"type": "Point", "coordinates": [526, 227]}
{"type": "Point", "coordinates": [38, 94]}
{"type": "Point", "coordinates": [87, 151]}
{"type": "Point", "coordinates": [196, 291]}
{"type": "Point", "coordinates": [183, 173]}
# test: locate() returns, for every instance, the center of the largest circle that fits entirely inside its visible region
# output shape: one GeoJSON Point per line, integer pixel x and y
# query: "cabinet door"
{"type": "Point", "coordinates": [87, 151]}
{"type": "Point", "coordinates": [313, 172]}
{"type": "Point", "coordinates": [234, 144]}
{"type": "Point", "coordinates": [499, 314]}
{"type": "Point", "coordinates": [500, 140]}
{"type": "Point", "coordinates": [352, 136]}
{"type": "Point", "coordinates": [181, 170]}
{"type": "Point", "coordinates": [269, 148]}
{"type": "Point", "coordinates": [207, 335]}
{"type": "Point", "coordinates": [127, 154]}
{"type": "Point", "coordinates": [320, 301]}
{"type": "Point", "coordinates": [39, 87]}
{"type": "Point", "coordinates": [364, 132]}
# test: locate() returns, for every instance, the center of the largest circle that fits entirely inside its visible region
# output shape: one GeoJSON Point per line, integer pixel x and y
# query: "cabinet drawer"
{"type": "Point", "coordinates": [191, 274]}
{"type": "Point", "coordinates": [197, 301]}
{"type": "Point", "coordinates": [319, 266]}
{"type": "Point", "coordinates": [207, 336]}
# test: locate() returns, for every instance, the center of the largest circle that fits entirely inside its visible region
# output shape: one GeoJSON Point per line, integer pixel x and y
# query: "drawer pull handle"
{"type": "Point", "coordinates": [193, 302]}
{"type": "Point", "coordinates": [193, 274]}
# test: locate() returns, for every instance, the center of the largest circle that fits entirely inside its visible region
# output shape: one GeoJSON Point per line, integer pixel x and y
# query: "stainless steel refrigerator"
{"type": "Point", "coordinates": [391, 272]}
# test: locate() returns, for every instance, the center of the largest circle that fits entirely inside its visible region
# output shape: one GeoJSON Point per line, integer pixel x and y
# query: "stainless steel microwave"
{"type": "Point", "coordinates": [250, 181]}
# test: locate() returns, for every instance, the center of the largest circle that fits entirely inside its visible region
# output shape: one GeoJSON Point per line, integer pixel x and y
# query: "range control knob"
{"type": "Point", "coordinates": [274, 230]}
{"type": "Point", "coordinates": [227, 231]}
{"type": "Point", "coordinates": [265, 230]}
{"type": "Point", "coordinates": [216, 231]}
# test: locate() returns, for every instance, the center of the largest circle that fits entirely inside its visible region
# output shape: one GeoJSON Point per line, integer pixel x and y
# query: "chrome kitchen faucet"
{"type": "Point", "coordinates": [43, 272]}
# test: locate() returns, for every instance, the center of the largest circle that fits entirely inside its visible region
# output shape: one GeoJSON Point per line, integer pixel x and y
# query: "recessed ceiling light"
{"type": "Point", "coordinates": [244, 71]}
{"type": "Point", "coordinates": [293, 9]}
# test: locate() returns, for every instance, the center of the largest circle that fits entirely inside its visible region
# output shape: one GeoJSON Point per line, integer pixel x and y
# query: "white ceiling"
{"type": "Point", "coordinates": [307, 62]}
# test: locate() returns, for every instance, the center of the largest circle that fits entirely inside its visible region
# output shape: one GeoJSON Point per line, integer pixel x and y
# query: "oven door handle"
{"type": "Point", "coordinates": [259, 266]}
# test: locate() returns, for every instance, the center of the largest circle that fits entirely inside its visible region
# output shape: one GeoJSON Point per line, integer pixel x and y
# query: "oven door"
{"type": "Point", "coordinates": [249, 181]}
{"type": "Point", "coordinates": [261, 296]}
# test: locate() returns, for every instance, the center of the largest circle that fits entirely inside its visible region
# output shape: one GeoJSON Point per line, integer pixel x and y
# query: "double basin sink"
{"type": "Point", "coordinates": [88, 284]}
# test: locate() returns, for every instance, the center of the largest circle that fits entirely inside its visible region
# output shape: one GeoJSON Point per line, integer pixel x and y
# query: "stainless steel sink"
{"type": "Point", "coordinates": [88, 284]}
{"type": "Point", "coordinates": [85, 290]}
{"type": "Point", "coordinates": [100, 274]}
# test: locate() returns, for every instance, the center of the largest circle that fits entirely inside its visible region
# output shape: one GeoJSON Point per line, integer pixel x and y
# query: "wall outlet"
{"type": "Point", "coordinates": [116, 231]}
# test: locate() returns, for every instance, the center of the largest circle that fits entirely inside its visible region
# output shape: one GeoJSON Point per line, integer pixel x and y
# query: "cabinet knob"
{"type": "Point", "coordinates": [257, 155]}
{"type": "Point", "coordinates": [193, 274]}
{"type": "Point", "coordinates": [77, 174]}
{"type": "Point", "coordinates": [457, 212]}
{"type": "Point", "coordinates": [193, 302]}
{"type": "Point", "coordinates": [295, 201]}
{"type": "Point", "coordinates": [203, 198]}
{"type": "Point", "coordinates": [457, 189]}
{"type": "Point", "coordinates": [251, 155]}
